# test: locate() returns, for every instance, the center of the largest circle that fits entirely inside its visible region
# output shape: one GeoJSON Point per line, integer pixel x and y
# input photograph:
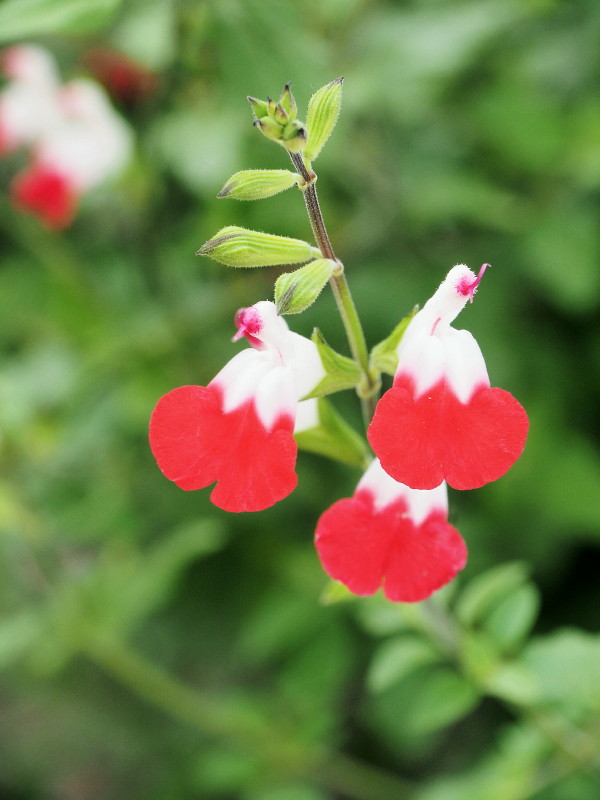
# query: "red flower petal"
{"type": "Point", "coordinates": [436, 437]}
{"type": "Point", "coordinates": [365, 548]}
{"type": "Point", "coordinates": [47, 194]}
{"type": "Point", "coordinates": [195, 443]}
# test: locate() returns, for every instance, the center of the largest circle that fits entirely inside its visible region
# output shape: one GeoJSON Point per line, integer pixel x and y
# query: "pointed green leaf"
{"type": "Point", "coordinates": [341, 372]}
{"type": "Point", "coordinates": [323, 111]}
{"type": "Point", "coordinates": [512, 618]}
{"type": "Point", "coordinates": [333, 438]}
{"type": "Point", "coordinates": [240, 247]}
{"type": "Point", "coordinates": [255, 184]}
{"type": "Point", "coordinates": [483, 594]}
{"type": "Point", "coordinates": [296, 291]}
{"type": "Point", "coordinates": [397, 658]}
{"type": "Point", "coordinates": [384, 356]}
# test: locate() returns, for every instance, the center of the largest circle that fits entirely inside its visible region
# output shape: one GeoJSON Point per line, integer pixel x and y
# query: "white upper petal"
{"type": "Point", "coordinates": [431, 349]}
{"type": "Point", "coordinates": [385, 490]}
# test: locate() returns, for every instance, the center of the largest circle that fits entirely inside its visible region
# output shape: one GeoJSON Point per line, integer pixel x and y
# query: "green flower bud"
{"type": "Point", "coordinates": [254, 184]}
{"type": "Point", "coordinates": [334, 438]}
{"type": "Point", "coordinates": [384, 356]}
{"type": "Point", "coordinates": [288, 103]}
{"type": "Point", "coordinates": [270, 127]}
{"type": "Point", "coordinates": [240, 247]}
{"type": "Point", "coordinates": [278, 120]}
{"type": "Point", "coordinates": [323, 111]}
{"type": "Point", "coordinates": [259, 107]}
{"type": "Point", "coordinates": [341, 372]}
{"type": "Point", "coordinates": [296, 291]}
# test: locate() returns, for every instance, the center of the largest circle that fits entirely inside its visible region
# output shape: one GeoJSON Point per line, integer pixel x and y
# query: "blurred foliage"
{"type": "Point", "coordinates": [470, 132]}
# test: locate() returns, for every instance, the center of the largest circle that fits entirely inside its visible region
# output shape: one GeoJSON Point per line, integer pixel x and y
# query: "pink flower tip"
{"type": "Point", "coordinates": [249, 323]}
{"type": "Point", "coordinates": [466, 287]}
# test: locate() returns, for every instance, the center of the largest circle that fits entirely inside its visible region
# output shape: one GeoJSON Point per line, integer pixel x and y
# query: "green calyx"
{"type": "Point", "coordinates": [240, 247]}
{"type": "Point", "coordinates": [256, 184]}
{"type": "Point", "coordinates": [296, 291]}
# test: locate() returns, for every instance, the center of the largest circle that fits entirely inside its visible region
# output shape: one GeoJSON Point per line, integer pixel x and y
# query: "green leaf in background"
{"type": "Point", "coordinates": [483, 593]}
{"type": "Point", "coordinates": [240, 247]}
{"type": "Point", "coordinates": [256, 184]}
{"type": "Point", "coordinates": [323, 111]}
{"type": "Point", "coordinates": [512, 618]}
{"type": "Point", "coordinates": [22, 18]}
{"type": "Point", "coordinates": [296, 291]}
{"type": "Point", "coordinates": [397, 658]}
{"type": "Point", "coordinates": [427, 699]}
{"type": "Point", "coordinates": [566, 664]}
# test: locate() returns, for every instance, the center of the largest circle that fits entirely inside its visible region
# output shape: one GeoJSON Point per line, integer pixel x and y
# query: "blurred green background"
{"type": "Point", "coordinates": [152, 646]}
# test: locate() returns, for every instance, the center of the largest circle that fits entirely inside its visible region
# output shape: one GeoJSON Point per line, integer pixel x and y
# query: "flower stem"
{"type": "Point", "coordinates": [368, 388]}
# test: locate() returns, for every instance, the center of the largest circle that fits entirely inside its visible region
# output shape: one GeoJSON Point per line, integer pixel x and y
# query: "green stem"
{"type": "Point", "coordinates": [337, 772]}
{"type": "Point", "coordinates": [368, 389]}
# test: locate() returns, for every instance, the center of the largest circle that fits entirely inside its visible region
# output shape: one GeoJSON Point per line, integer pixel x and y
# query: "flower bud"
{"type": "Point", "coordinates": [296, 291]}
{"type": "Point", "coordinates": [288, 103]}
{"type": "Point", "coordinates": [240, 247]}
{"type": "Point", "coordinates": [277, 120]}
{"type": "Point", "coordinates": [323, 111]}
{"type": "Point", "coordinates": [254, 184]}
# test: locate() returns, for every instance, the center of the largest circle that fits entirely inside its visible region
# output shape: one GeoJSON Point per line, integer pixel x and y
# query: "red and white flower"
{"type": "Point", "coordinates": [75, 139]}
{"type": "Point", "coordinates": [239, 429]}
{"type": "Point", "coordinates": [392, 537]}
{"type": "Point", "coordinates": [441, 420]}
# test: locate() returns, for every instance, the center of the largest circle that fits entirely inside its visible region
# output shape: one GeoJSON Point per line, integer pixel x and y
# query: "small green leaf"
{"type": "Point", "coordinates": [296, 291]}
{"type": "Point", "coordinates": [513, 682]}
{"type": "Point", "coordinates": [240, 247]}
{"type": "Point", "coordinates": [509, 622]}
{"type": "Point", "coordinates": [384, 356]}
{"type": "Point", "coordinates": [256, 184]}
{"type": "Point", "coordinates": [396, 659]}
{"type": "Point", "coordinates": [341, 372]}
{"type": "Point", "coordinates": [333, 438]}
{"type": "Point", "coordinates": [566, 665]}
{"type": "Point", "coordinates": [323, 111]}
{"type": "Point", "coordinates": [23, 18]}
{"type": "Point", "coordinates": [479, 598]}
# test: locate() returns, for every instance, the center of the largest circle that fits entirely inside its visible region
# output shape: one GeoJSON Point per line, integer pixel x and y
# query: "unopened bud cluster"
{"type": "Point", "coordinates": [277, 120]}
